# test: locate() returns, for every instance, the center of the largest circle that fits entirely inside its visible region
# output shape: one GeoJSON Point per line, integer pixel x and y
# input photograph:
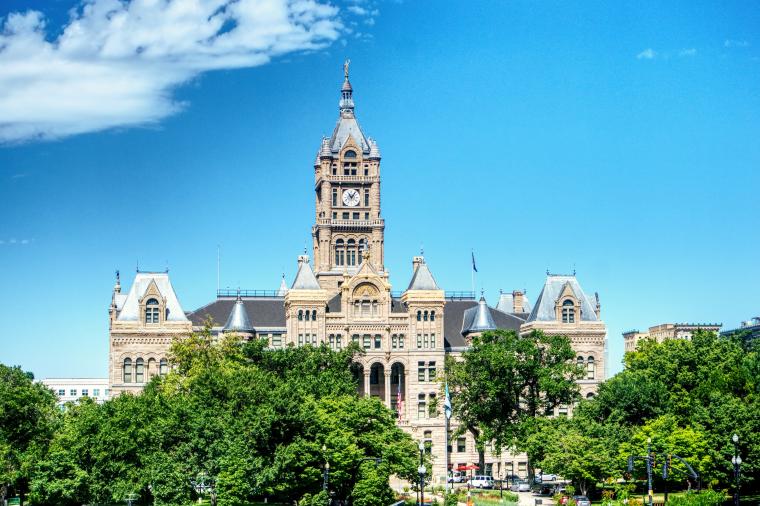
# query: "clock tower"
{"type": "Point", "coordinates": [347, 188]}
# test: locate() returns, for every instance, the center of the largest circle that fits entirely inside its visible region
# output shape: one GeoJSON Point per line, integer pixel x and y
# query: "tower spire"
{"type": "Point", "coordinates": [346, 94]}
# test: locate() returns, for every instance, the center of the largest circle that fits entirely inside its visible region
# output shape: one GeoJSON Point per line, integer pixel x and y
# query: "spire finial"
{"type": "Point", "coordinates": [345, 67]}
{"type": "Point", "coordinates": [118, 281]}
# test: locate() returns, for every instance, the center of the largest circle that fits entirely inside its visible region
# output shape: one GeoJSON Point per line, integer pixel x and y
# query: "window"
{"type": "Point", "coordinates": [425, 316]}
{"type": "Point", "coordinates": [335, 170]}
{"type": "Point", "coordinates": [151, 311]}
{"type": "Point", "coordinates": [338, 343]}
{"type": "Point", "coordinates": [345, 215]}
{"type": "Point", "coordinates": [401, 341]}
{"type": "Point", "coordinates": [394, 341]}
{"type": "Point", "coordinates": [314, 315]}
{"type": "Point", "coordinates": [300, 315]}
{"type": "Point", "coordinates": [163, 367]}
{"type": "Point", "coordinates": [106, 392]}
{"type": "Point", "coordinates": [332, 341]}
{"type": "Point", "coordinates": [139, 371]}
{"type": "Point", "coordinates": [432, 316]}
{"type": "Point", "coordinates": [335, 215]}
{"type": "Point", "coordinates": [590, 368]}
{"type": "Point", "coordinates": [419, 316]}
{"type": "Point", "coordinates": [351, 252]}
{"type": "Point", "coordinates": [366, 170]}
{"type": "Point", "coordinates": [427, 441]}
{"type": "Point", "coordinates": [489, 469]}
{"type": "Point", "coordinates": [73, 392]}
{"type": "Point", "coordinates": [349, 154]}
{"type": "Point", "coordinates": [420, 371]}
{"type": "Point", "coordinates": [127, 374]}
{"type": "Point", "coordinates": [522, 468]}
{"type": "Point", "coordinates": [366, 196]}
{"type": "Point", "coordinates": [340, 258]}
{"type": "Point", "coordinates": [61, 392]}
{"type": "Point", "coordinates": [419, 340]}
{"type": "Point", "coordinates": [461, 445]}
{"type": "Point", "coordinates": [85, 392]}
{"type": "Point", "coordinates": [96, 392]}
{"type": "Point", "coordinates": [424, 340]}
{"type": "Point", "coordinates": [432, 340]}
{"type": "Point", "coordinates": [579, 361]}
{"type": "Point", "coordinates": [562, 410]}
{"type": "Point", "coordinates": [590, 395]}
{"type": "Point", "coordinates": [568, 312]}
{"type": "Point", "coordinates": [355, 338]}
{"type": "Point", "coordinates": [374, 376]}
{"type": "Point", "coordinates": [378, 341]}
{"type": "Point", "coordinates": [431, 371]}
{"type": "Point", "coordinates": [366, 341]}
{"type": "Point", "coordinates": [335, 197]}
{"type": "Point", "coordinates": [421, 407]}
{"type": "Point", "coordinates": [366, 216]}
{"type": "Point", "coordinates": [355, 216]}
{"type": "Point", "coordinates": [433, 406]}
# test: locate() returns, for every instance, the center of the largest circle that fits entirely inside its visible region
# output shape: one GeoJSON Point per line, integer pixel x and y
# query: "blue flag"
{"type": "Point", "coordinates": [473, 262]}
{"type": "Point", "coordinates": [447, 403]}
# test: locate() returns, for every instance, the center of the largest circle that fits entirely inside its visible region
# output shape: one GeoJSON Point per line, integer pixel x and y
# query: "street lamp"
{"type": "Point", "coordinates": [422, 471]}
{"type": "Point", "coordinates": [326, 475]}
{"type": "Point", "coordinates": [736, 460]}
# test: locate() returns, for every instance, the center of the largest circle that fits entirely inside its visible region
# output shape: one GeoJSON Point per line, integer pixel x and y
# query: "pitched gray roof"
{"type": "Point", "coordinates": [130, 306]}
{"type": "Point", "coordinates": [544, 310]}
{"type": "Point", "coordinates": [478, 318]}
{"type": "Point", "coordinates": [238, 320]}
{"type": "Point", "coordinates": [422, 279]}
{"type": "Point", "coordinates": [454, 316]}
{"type": "Point", "coordinates": [506, 303]}
{"type": "Point", "coordinates": [263, 312]}
{"type": "Point", "coordinates": [305, 278]}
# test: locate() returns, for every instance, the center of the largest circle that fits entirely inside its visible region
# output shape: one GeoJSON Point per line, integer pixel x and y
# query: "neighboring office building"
{"type": "Point", "coordinates": [667, 331]}
{"type": "Point", "coordinates": [346, 296]}
{"type": "Point", "coordinates": [749, 329]}
{"type": "Point", "coordinates": [73, 389]}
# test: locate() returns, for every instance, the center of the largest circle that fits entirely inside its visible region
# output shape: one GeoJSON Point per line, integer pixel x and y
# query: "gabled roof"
{"type": "Point", "coordinates": [544, 310]}
{"type": "Point", "coordinates": [478, 318]}
{"type": "Point", "coordinates": [238, 320]}
{"type": "Point", "coordinates": [130, 308]}
{"type": "Point", "coordinates": [422, 279]}
{"type": "Point", "coordinates": [305, 278]}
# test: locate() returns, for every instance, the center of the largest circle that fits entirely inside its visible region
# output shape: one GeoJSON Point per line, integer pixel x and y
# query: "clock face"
{"type": "Point", "coordinates": [351, 198]}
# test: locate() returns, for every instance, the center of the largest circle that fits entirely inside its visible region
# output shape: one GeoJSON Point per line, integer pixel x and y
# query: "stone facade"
{"type": "Point", "coordinates": [346, 295]}
{"type": "Point", "coordinates": [667, 331]}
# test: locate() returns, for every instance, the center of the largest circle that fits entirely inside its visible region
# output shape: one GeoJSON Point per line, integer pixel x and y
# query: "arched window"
{"type": "Point", "coordinates": [163, 367]}
{"type": "Point", "coordinates": [340, 252]}
{"type": "Point", "coordinates": [579, 361]}
{"type": "Point", "coordinates": [590, 368]}
{"type": "Point", "coordinates": [349, 154]}
{"type": "Point", "coordinates": [151, 311]}
{"type": "Point", "coordinates": [139, 371]}
{"type": "Point", "coordinates": [300, 315]}
{"type": "Point", "coordinates": [425, 316]}
{"type": "Point", "coordinates": [432, 316]}
{"type": "Point", "coordinates": [419, 316]}
{"type": "Point", "coordinates": [568, 312]}
{"type": "Point", "coordinates": [351, 252]}
{"type": "Point", "coordinates": [127, 373]}
{"type": "Point", "coordinates": [590, 395]}
{"type": "Point", "coordinates": [314, 315]}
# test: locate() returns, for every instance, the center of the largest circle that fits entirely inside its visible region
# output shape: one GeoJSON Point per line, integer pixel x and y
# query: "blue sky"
{"type": "Point", "coordinates": [619, 140]}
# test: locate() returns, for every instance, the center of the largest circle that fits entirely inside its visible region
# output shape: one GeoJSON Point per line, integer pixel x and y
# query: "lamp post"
{"type": "Point", "coordinates": [326, 475]}
{"type": "Point", "coordinates": [736, 460]}
{"type": "Point", "coordinates": [650, 464]}
{"type": "Point", "coordinates": [422, 471]}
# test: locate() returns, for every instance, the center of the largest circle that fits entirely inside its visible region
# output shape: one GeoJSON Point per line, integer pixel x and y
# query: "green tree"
{"type": "Point", "coordinates": [505, 382]}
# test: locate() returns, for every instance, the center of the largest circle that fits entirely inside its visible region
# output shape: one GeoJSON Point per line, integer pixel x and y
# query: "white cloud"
{"type": "Point", "coordinates": [735, 43]}
{"type": "Point", "coordinates": [647, 54]}
{"type": "Point", "coordinates": [117, 63]}
{"type": "Point", "coordinates": [688, 52]}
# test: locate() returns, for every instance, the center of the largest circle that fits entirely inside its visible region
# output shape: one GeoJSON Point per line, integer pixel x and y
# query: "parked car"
{"type": "Point", "coordinates": [581, 500]}
{"type": "Point", "coordinates": [548, 477]}
{"type": "Point", "coordinates": [480, 481]}
{"type": "Point", "coordinates": [457, 477]}
{"type": "Point", "coordinates": [520, 486]}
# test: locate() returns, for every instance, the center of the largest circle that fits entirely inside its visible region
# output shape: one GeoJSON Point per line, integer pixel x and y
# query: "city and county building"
{"type": "Point", "coordinates": [666, 331]}
{"type": "Point", "coordinates": [344, 294]}
{"type": "Point", "coordinates": [74, 389]}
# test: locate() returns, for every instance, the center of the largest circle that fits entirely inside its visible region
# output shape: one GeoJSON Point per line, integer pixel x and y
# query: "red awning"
{"type": "Point", "coordinates": [468, 468]}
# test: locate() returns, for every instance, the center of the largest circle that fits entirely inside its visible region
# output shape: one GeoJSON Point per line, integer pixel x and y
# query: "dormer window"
{"type": "Point", "coordinates": [349, 154]}
{"type": "Point", "coordinates": [151, 311]}
{"type": "Point", "coordinates": [568, 311]}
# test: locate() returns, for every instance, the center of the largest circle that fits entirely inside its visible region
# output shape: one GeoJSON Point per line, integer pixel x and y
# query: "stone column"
{"type": "Point", "coordinates": [388, 388]}
{"type": "Point", "coordinates": [366, 383]}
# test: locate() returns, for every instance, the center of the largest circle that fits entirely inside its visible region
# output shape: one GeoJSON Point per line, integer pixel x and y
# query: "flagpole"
{"type": "Point", "coordinates": [447, 456]}
{"type": "Point", "coordinates": [472, 271]}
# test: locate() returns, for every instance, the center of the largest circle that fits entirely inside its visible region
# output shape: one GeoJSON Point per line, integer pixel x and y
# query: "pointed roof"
{"type": "Point", "coordinates": [238, 320]}
{"type": "Point", "coordinates": [130, 306]}
{"type": "Point", "coordinates": [422, 279]}
{"type": "Point", "coordinates": [478, 318]}
{"type": "Point", "coordinates": [283, 287]}
{"type": "Point", "coordinates": [506, 303]}
{"type": "Point", "coordinates": [555, 285]}
{"type": "Point", "coordinates": [347, 125]}
{"type": "Point", "coordinates": [305, 278]}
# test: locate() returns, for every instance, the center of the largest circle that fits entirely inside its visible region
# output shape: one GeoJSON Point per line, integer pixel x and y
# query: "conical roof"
{"type": "Point", "coordinates": [238, 320]}
{"type": "Point", "coordinates": [305, 278]}
{"type": "Point", "coordinates": [283, 287]}
{"type": "Point", "coordinates": [478, 318]}
{"type": "Point", "coordinates": [422, 279]}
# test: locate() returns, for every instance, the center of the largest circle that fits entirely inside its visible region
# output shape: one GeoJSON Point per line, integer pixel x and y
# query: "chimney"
{"type": "Point", "coordinates": [517, 302]}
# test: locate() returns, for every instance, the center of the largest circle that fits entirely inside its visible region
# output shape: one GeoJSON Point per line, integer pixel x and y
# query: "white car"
{"type": "Point", "coordinates": [480, 481]}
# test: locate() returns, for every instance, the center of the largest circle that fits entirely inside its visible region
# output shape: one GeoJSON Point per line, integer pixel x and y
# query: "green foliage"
{"type": "Point", "coordinates": [255, 420]}
{"type": "Point", "coordinates": [704, 498]}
